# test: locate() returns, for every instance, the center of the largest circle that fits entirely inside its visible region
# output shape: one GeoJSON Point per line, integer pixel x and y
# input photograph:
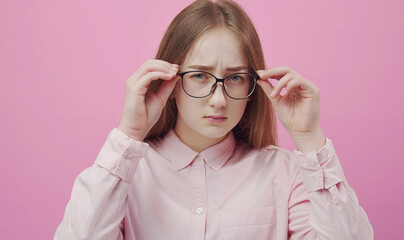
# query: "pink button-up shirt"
{"type": "Point", "coordinates": [165, 190]}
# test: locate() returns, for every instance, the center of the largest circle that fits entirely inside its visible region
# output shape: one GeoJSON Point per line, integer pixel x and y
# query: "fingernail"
{"type": "Point", "coordinates": [175, 65]}
{"type": "Point", "coordinates": [273, 94]}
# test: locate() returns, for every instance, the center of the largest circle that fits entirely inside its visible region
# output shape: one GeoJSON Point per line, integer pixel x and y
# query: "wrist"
{"type": "Point", "coordinates": [309, 141]}
{"type": "Point", "coordinates": [131, 134]}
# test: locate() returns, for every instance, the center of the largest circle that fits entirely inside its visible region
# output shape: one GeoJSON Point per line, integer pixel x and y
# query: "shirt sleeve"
{"type": "Point", "coordinates": [98, 200]}
{"type": "Point", "coordinates": [322, 205]}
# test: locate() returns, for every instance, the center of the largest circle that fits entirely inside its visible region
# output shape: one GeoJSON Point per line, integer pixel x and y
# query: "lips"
{"type": "Point", "coordinates": [215, 117]}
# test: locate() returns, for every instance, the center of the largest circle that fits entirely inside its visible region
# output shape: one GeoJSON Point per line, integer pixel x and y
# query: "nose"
{"type": "Point", "coordinates": [218, 98]}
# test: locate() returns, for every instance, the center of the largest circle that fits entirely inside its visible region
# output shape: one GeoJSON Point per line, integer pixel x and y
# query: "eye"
{"type": "Point", "coordinates": [199, 76]}
{"type": "Point", "coordinates": [236, 78]}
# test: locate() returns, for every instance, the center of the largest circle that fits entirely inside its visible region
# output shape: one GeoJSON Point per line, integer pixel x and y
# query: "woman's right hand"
{"type": "Point", "coordinates": [142, 108]}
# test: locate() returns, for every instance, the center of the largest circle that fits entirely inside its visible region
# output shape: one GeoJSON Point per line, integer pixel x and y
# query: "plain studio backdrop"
{"type": "Point", "coordinates": [63, 67]}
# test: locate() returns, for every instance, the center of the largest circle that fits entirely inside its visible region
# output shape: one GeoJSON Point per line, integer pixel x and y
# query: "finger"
{"type": "Point", "coordinates": [266, 86]}
{"type": "Point", "coordinates": [144, 82]}
{"type": "Point", "coordinates": [275, 72]}
{"type": "Point", "coordinates": [152, 76]}
{"type": "Point", "coordinates": [157, 62]}
{"type": "Point", "coordinates": [154, 65]}
{"type": "Point", "coordinates": [282, 83]}
{"type": "Point", "coordinates": [294, 83]}
{"type": "Point", "coordinates": [166, 89]}
{"type": "Point", "coordinates": [305, 87]}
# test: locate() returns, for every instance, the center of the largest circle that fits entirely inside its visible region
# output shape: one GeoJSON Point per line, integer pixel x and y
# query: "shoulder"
{"type": "Point", "coordinates": [282, 159]}
{"type": "Point", "coordinates": [272, 156]}
{"type": "Point", "coordinates": [279, 153]}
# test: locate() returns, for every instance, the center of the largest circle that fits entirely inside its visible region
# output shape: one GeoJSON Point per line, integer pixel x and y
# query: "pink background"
{"type": "Point", "coordinates": [63, 67]}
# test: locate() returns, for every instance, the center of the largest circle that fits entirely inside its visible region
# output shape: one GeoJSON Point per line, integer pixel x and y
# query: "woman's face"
{"type": "Point", "coordinates": [203, 122]}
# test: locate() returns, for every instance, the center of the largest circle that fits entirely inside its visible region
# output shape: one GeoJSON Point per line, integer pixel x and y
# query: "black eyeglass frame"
{"type": "Point", "coordinates": [254, 74]}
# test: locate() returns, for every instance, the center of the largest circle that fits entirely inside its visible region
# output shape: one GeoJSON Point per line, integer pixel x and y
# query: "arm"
{"type": "Point", "coordinates": [322, 205]}
{"type": "Point", "coordinates": [319, 187]}
{"type": "Point", "coordinates": [98, 200]}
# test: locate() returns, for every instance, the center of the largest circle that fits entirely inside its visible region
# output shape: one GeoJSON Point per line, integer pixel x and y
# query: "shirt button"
{"type": "Point", "coordinates": [199, 210]}
{"type": "Point", "coordinates": [197, 159]}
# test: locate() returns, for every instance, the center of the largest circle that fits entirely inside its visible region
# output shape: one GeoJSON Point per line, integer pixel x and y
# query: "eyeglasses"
{"type": "Point", "coordinates": [200, 84]}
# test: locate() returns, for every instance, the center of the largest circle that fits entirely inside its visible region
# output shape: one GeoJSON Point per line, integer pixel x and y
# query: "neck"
{"type": "Point", "coordinates": [196, 142]}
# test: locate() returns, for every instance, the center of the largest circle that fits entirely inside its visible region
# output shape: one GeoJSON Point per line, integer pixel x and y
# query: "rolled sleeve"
{"type": "Point", "coordinates": [121, 155]}
{"type": "Point", "coordinates": [320, 169]}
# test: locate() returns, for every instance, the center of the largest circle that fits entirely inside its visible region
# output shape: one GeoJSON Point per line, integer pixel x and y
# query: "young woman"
{"type": "Point", "coordinates": [195, 155]}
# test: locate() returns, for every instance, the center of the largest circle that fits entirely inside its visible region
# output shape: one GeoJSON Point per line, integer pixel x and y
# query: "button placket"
{"type": "Point", "coordinates": [198, 176]}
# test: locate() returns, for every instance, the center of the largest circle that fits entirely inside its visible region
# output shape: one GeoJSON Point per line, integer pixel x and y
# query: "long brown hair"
{"type": "Point", "coordinates": [257, 127]}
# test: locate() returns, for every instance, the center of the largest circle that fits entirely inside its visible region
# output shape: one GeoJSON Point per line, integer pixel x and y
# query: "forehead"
{"type": "Point", "coordinates": [218, 46]}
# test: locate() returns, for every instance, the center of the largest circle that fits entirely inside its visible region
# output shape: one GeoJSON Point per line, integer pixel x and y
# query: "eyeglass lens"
{"type": "Point", "coordinates": [201, 84]}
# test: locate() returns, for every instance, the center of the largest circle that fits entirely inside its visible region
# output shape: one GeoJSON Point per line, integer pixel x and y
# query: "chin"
{"type": "Point", "coordinates": [215, 133]}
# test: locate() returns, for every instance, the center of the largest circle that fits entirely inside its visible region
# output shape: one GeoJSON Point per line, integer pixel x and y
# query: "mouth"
{"type": "Point", "coordinates": [215, 118]}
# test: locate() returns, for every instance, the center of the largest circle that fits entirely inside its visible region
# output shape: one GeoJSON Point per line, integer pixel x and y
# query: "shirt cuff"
{"type": "Point", "coordinates": [121, 155]}
{"type": "Point", "coordinates": [320, 169]}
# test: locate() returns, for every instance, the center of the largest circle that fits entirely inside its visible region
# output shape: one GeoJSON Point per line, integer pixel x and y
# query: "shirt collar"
{"type": "Point", "coordinates": [182, 155]}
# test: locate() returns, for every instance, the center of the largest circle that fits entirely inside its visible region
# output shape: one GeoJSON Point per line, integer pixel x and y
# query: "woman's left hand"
{"type": "Point", "coordinates": [298, 108]}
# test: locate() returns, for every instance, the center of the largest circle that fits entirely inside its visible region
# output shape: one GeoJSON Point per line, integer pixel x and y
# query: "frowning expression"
{"type": "Point", "coordinates": [202, 122]}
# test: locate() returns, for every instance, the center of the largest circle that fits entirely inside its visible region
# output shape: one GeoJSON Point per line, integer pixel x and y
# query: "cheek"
{"type": "Point", "coordinates": [185, 104]}
{"type": "Point", "coordinates": [238, 110]}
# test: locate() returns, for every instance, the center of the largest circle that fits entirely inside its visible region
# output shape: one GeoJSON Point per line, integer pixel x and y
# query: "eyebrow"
{"type": "Point", "coordinates": [206, 68]}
